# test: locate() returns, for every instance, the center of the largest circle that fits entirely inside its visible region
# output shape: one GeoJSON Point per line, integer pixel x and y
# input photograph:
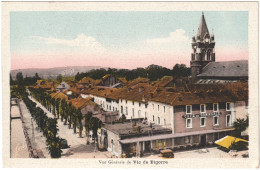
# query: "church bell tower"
{"type": "Point", "coordinates": [203, 49]}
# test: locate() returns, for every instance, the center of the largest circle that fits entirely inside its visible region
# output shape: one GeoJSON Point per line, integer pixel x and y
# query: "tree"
{"type": "Point", "coordinates": [77, 77]}
{"type": "Point", "coordinates": [19, 78]}
{"type": "Point", "coordinates": [59, 78]}
{"type": "Point", "coordinates": [240, 125]}
{"type": "Point", "coordinates": [66, 110]}
{"type": "Point", "coordinates": [36, 76]}
{"type": "Point", "coordinates": [70, 111]}
{"type": "Point", "coordinates": [122, 118]}
{"type": "Point", "coordinates": [74, 119]}
{"type": "Point", "coordinates": [62, 109]}
{"type": "Point", "coordinates": [11, 80]}
{"type": "Point", "coordinates": [57, 104]}
{"type": "Point", "coordinates": [55, 148]}
{"type": "Point", "coordinates": [53, 106]}
{"type": "Point", "coordinates": [88, 117]}
{"type": "Point", "coordinates": [79, 115]}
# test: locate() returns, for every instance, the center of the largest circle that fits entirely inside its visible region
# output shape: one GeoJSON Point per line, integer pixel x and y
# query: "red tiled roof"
{"type": "Point", "coordinates": [80, 103]}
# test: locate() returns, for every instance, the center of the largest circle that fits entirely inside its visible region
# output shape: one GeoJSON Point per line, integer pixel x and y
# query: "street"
{"type": "Point", "coordinates": [78, 147]}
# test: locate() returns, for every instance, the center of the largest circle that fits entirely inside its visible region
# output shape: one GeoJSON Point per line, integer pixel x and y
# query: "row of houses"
{"type": "Point", "coordinates": [162, 114]}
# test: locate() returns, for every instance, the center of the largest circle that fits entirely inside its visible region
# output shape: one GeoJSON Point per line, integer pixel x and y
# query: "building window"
{"type": "Point", "coordinates": [228, 106]}
{"type": "Point", "coordinates": [188, 109]}
{"type": "Point", "coordinates": [153, 118]}
{"type": "Point", "coordinates": [122, 110]}
{"type": "Point", "coordinates": [164, 122]}
{"type": "Point", "coordinates": [215, 107]}
{"type": "Point", "coordinates": [146, 105]}
{"type": "Point", "coordinates": [228, 122]}
{"type": "Point", "coordinates": [153, 106]}
{"type": "Point", "coordinates": [139, 113]}
{"type": "Point", "coordinates": [208, 55]}
{"type": "Point", "coordinates": [164, 109]}
{"type": "Point", "coordinates": [126, 110]}
{"type": "Point", "coordinates": [202, 108]}
{"type": "Point", "coordinates": [133, 103]}
{"type": "Point", "coordinates": [202, 122]}
{"type": "Point", "coordinates": [133, 112]}
{"type": "Point", "coordinates": [113, 109]}
{"type": "Point", "coordinates": [139, 104]}
{"type": "Point", "coordinates": [145, 114]}
{"type": "Point", "coordinates": [109, 107]}
{"type": "Point", "coordinates": [158, 120]}
{"type": "Point", "coordinates": [187, 139]}
{"type": "Point", "coordinates": [215, 120]}
{"type": "Point", "coordinates": [189, 123]}
{"type": "Point", "coordinates": [158, 107]}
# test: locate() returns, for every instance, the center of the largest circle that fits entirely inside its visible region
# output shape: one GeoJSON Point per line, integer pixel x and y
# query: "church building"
{"type": "Point", "coordinates": [204, 68]}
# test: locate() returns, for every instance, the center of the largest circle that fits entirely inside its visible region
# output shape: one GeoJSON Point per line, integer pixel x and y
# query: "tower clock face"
{"type": "Point", "coordinates": [207, 40]}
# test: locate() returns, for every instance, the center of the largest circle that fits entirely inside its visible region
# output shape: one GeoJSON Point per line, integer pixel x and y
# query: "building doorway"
{"type": "Point", "coordinates": [203, 140]}
{"type": "Point", "coordinates": [147, 146]}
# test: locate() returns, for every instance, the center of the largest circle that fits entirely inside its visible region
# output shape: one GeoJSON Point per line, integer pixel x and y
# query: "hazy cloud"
{"type": "Point", "coordinates": [176, 37]}
{"type": "Point", "coordinates": [81, 42]}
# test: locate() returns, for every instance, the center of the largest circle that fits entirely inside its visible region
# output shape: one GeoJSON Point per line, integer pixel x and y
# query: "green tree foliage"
{"type": "Point", "coordinates": [57, 106]}
{"type": "Point", "coordinates": [122, 118]}
{"type": "Point", "coordinates": [80, 117]}
{"type": "Point", "coordinates": [78, 77]}
{"type": "Point", "coordinates": [11, 81]}
{"type": "Point", "coordinates": [46, 125]}
{"type": "Point", "coordinates": [59, 78]}
{"type": "Point", "coordinates": [92, 123]}
{"type": "Point", "coordinates": [180, 70]}
{"type": "Point", "coordinates": [19, 78]}
{"type": "Point", "coordinates": [153, 72]}
{"type": "Point", "coordinates": [240, 125]}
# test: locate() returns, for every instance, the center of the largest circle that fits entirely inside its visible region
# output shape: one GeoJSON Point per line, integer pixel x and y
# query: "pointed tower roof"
{"type": "Point", "coordinates": [203, 29]}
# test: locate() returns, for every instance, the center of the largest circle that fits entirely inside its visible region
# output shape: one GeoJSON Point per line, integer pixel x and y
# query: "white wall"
{"type": "Point", "coordinates": [241, 110]}
{"type": "Point", "coordinates": [101, 101]}
{"type": "Point", "coordinates": [139, 109]}
{"type": "Point", "coordinates": [165, 115]}
{"type": "Point", "coordinates": [117, 149]}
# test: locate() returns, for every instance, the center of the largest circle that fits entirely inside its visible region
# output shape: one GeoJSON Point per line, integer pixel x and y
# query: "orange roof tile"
{"type": "Point", "coordinates": [80, 103]}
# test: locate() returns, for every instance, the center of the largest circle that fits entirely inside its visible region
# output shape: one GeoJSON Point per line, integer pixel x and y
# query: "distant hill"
{"type": "Point", "coordinates": [53, 72]}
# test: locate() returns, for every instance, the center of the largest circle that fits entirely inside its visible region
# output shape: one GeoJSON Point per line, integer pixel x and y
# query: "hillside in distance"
{"type": "Point", "coordinates": [53, 72]}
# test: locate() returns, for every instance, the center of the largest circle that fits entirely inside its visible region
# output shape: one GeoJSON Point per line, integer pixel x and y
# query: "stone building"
{"type": "Point", "coordinates": [204, 69]}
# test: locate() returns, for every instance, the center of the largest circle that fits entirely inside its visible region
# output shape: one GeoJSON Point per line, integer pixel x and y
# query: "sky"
{"type": "Point", "coordinates": [121, 39]}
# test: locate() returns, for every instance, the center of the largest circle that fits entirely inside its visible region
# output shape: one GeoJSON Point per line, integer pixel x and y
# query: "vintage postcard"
{"type": "Point", "coordinates": [130, 84]}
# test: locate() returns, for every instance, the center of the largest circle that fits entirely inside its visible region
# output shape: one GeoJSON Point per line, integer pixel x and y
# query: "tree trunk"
{"type": "Point", "coordinates": [74, 127]}
{"type": "Point", "coordinates": [80, 129]}
{"type": "Point", "coordinates": [70, 123]}
{"type": "Point", "coordinates": [65, 122]}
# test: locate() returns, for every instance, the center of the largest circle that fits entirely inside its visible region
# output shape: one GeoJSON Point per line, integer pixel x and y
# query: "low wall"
{"type": "Point", "coordinates": [32, 152]}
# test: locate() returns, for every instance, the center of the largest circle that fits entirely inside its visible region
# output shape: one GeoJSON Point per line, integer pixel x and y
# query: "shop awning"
{"type": "Point", "coordinates": [227, 141]}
